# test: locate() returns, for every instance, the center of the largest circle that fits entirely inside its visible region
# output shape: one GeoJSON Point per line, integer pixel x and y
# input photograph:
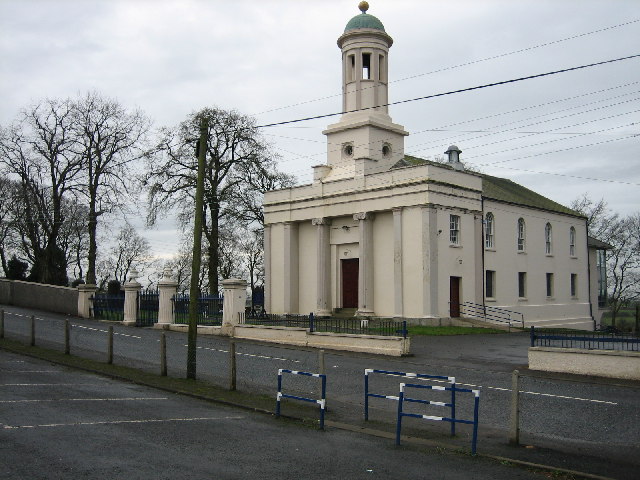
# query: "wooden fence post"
{"type": "Point", "coordinates": [514, 424]}
{"type": "Point", "coordinates": [110, 346]}
{"type": "Point", "coordinates": [67, 342]}
{"type": "Point", "coordinates": [163, 355]}
{"type": "Point", "coordinates": [232, 365]}
{"type": "Point", "coordinates": [321, 367]}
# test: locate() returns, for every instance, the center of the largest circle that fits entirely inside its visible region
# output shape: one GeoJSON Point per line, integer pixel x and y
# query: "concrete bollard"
{"type": "Point", "coordinates": [514, 423]}
{"type": "Point", "coordinates": [33, 331]}
{"type": "Point", "coordinates": [67, 337]}
{"type": "Point", "coordinates": [110, 346]}
{"type": "Point", "coordinates": [232, 365]}
{"type": "Point", "coordinates": [163, 355]}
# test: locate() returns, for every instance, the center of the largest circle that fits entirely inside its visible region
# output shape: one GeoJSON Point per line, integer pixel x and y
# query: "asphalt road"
{"type": "Point", "coordinates": [598, 419]}
{"type": "Point", "coordinates": [58, 423]}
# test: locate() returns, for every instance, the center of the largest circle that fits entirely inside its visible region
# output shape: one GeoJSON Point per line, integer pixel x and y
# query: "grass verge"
{"type": "Point", "coordinates": [422, 330]}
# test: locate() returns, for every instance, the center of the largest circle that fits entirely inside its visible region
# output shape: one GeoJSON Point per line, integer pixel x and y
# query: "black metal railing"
{"type": "Point", "coordinates": [148, 307]}
{"type": "Point", "coordinates": [586, 340]}
{"type": "Point", "coordinates": [209, 309]}
{"type": "Point", "coordinates": [492, 314]}
{"type": "Point", "coordinates": [330, 324]}
{"type": "Point", "coordinates": [107, 307]}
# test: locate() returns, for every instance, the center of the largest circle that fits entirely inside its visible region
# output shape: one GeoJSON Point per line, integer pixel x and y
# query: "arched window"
{"type": "Point", "coordinates": [488, 231]}
{"type": "Point", "coordinates": [547, 239]}
{"type": "Point", "coordinates": [572, 242]}
{"type": "Point", "coordinates": [521, 235]}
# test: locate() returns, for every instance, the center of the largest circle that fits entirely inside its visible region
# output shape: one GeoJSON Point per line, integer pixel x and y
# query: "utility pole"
{"type": "Point", "coordinates": [194, 293]}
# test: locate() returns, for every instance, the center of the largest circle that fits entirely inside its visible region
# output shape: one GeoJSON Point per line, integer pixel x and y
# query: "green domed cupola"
{"type": "Point", "coordinates": [364, 20]}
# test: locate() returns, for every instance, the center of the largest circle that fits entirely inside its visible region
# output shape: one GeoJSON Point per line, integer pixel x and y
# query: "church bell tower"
{"type": "Point", "coordinates": [365, 140]}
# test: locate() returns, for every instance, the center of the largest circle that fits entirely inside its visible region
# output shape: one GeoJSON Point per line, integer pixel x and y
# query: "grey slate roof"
{"type": "Point", "coordinates": [500, 189]}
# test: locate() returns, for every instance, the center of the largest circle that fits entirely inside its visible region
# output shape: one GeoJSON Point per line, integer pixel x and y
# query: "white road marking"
{"type": "Point", "coordinates": [33, 371]}
{"type": "Point", "coordinates": [118, 422]}
{"type": "Point", "coordinates": [104, 384]}
{"type": "Point", "coordinates": [249, 354]}
{"type": "Point", "coordinates": [75, 325]}
{"type": "Point", "coordinates": [132, 399]}
{"type": "Point", "coordinates": [501, 389]}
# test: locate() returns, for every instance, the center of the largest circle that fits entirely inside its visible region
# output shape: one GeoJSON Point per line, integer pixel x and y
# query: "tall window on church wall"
{"type": "Point", "coordinates": [572, 242]}
{"type": "Point", "coordinates": [488, 231]}
{"type": "Point", "coordinates": [454, 229]}
{"type": "Point", "coordinates": [547, 239]}
{"type": "Point", "coordinates": [521, 235]}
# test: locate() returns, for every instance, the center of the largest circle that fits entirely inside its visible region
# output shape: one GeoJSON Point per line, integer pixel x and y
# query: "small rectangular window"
{"type": "Point", "coordinates": [366, 66]}
{"type": "Point", "coordinates": [522, 284]}
{"type": "Point", "coordinates": [382, 69]}
{"type": "Point", "coordinates": [454, 229]}
{"type": "Point", "coordinates": [351, 68]}
{"type": "Point", "coordinates": [490, 283]}
{"type": "Point", "coordinates": [574, 285]}
{"type": "Point", "coordinates": [549, 284]}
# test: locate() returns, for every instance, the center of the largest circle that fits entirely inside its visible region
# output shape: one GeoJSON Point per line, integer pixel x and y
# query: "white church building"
{"type": "Point", "coordinates": [391, 235]}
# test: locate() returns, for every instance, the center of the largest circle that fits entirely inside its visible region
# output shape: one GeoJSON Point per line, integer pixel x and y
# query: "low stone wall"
{"type": "Point", "coordinates": [395, 346]}
{"type": "Point", "coordinates": [601, 363]}
{"type": "Point", "coordinates": [50, 298]}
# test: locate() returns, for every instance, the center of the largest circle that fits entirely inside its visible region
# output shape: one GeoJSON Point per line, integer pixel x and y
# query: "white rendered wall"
{"type": "Point", "coordinates": [308, 268]}
{"type": "Point", "coordinates": [383, 292]}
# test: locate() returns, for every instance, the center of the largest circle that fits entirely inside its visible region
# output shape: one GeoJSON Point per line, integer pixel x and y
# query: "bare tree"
{"type": "Point", "coordinates": [109, 140]}
{"type": "Point", "coordinates": [130, 251]}
{"type": "Point", "coordinates": [37, 151]}
{"type": "Point", "coordinates": [623, 259]}
{"type": "Point", "coordinates": [236, 158]}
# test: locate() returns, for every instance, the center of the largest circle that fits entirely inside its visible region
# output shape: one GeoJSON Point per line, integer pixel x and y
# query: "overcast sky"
{"type": "Point", "coordinates": [561, 135]}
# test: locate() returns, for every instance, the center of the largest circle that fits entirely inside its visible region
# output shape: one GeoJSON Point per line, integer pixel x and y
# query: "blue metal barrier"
{"type": "Point", "coordinates": [322, 401]}
{"type": "Point", "coordinates": [402, 399]}
{"type": "Point", "coordinates": [367, 371]}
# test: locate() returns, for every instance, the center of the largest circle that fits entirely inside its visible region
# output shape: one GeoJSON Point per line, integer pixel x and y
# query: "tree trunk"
{"type": "Point", "coordinates": [214, 254]}
{"type": "Point", "coordinates": [93, 248]}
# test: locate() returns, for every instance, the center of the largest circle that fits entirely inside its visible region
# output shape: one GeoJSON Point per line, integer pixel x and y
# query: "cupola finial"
{"type": "Point", "coordinates": [363, 6]}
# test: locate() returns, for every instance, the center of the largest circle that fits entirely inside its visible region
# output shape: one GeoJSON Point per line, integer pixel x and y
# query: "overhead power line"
{"type": "Point", "coordinates": [473, 62]}
{"type": "Point", "coordinates": [451, 92]}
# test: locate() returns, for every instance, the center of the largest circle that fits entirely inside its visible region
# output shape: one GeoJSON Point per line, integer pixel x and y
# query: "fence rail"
{"type": "Point", "coordinates": [108, 307]}
{"type": "Point", "coordinates": [329, 325]}
{"type": "Point", "coordinates": [586, 340]}
{"type": "Point", "coordinates": [209, 309]}
{"type": "Point", "coordinates": [148, 307]}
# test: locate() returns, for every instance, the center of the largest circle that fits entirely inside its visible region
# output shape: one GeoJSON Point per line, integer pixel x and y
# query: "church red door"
{"type": "Point", "coordinates": [454, 297]}
{"type": "Point", "coordinates": [349, 283]}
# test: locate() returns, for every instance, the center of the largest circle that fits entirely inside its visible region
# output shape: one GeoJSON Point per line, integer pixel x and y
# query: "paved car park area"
{"type": "Point", "coordinates": [60, 423]}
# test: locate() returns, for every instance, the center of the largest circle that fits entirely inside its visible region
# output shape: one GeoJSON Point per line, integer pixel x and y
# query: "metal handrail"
{"type": "Point", "coordinates": [487, 312]}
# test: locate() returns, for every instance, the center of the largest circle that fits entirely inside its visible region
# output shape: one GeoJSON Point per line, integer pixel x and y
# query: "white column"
{"type": "Point", "coordinates": [290, 267]}
{"type": "Point", "coordinates": [430, 235]}
{"type": "Point", "coordinates": [365, 267]}
{"type": "Point", "coordinates": [131, 290]}
{"type": "Point", "coordinates": [267, 268]}
{"type": "Point", "coordinates": [397, 262]}
{"type": "Point", "coordinates": [235, 300]}
{"type": "Point", "coordinates": [85, 292]}
{"type": "Point", "coordinates": [167, 288]}
{"type": "Point", "coordinates": [323, 283]}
